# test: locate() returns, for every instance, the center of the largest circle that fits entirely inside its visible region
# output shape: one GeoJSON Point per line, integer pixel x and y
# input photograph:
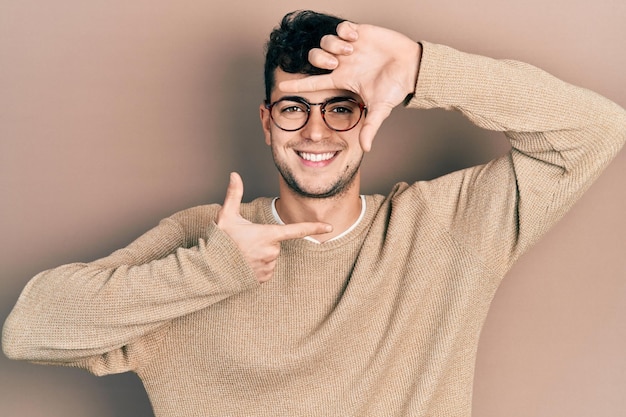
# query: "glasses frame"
{"type": "Point", "coordinates": [362, 108]}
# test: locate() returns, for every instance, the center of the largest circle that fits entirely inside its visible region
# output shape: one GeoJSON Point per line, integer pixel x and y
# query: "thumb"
{"type": "Point", "coordinates": [234, 194]}
{"type": "Point", "coordinates": [375, 118]}
{"type": "Point", "coordinates": [309, 83]}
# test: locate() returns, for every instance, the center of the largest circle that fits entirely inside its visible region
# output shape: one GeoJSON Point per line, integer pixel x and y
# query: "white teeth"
{"type": "Point", "coordinates": [316, 157]}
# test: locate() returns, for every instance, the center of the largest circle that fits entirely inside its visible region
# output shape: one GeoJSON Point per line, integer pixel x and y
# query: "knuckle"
{"type": "Point", "coordinates": [272, 254]}
{"type": "Point", "coordinates": [268, 255]}
{"type": "Point", "coordinates": [265, 272]}
{"type": "Point", "coordinates": [261, 276]}
{"type": "Point", "coordinates": [265, 277]}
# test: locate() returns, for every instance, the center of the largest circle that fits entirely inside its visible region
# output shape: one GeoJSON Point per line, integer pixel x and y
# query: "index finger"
{"type": "Point", "coordinates": [300, 230]}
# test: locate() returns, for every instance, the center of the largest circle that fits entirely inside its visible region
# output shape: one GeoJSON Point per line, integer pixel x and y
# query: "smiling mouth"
{"type": "Point", "coordinates": [317, 157]}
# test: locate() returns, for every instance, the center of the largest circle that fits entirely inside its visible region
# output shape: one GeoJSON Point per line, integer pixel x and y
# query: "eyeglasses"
{"type": "Point", "coordinates": [339, 113]}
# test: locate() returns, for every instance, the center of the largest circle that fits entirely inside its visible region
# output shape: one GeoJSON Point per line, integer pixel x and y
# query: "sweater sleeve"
{"type": "Point", "coordinates": [108, 315]}
{"type": "Point", "coordinates": [562, 137]}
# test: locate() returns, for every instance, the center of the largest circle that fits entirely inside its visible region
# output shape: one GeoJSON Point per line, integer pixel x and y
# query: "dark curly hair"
{"type": "Point", "coordinates": [289, 44]}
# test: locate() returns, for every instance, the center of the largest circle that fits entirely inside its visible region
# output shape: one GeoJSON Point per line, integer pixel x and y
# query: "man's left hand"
{"type": "Point", "coordinates": [378, 64]}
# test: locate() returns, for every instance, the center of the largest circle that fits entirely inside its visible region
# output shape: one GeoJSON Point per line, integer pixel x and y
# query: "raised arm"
{"type": "Point", "coordinates": [562, 137]}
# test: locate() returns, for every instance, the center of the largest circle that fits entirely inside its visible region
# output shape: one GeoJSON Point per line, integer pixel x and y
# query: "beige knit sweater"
{"type": "Point", "coordinates": [382, 322]}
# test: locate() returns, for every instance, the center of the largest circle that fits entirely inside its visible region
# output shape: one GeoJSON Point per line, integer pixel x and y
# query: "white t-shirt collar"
{"type": "Point", "coordinates": [348, 230]}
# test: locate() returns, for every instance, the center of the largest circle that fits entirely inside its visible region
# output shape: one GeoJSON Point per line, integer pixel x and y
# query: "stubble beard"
{"type": "Point", "coordinates": [336, 189]}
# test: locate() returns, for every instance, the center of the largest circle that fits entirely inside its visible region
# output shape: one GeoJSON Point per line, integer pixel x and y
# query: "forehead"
{"type": "Point", "coordinates": [313, 96]}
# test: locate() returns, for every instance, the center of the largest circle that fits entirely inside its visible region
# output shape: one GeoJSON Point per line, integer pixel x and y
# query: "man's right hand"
{"type": "Point", "coordinates": [259, 243]}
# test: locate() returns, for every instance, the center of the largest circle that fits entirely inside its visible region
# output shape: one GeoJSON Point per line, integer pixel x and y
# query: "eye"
{"type": "Point", "coordinates": [292, 107]}
{"type": "Point", "coordinates": [342, 107]}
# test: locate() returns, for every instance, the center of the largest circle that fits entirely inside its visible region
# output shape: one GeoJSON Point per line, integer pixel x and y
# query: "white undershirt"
{"type": "Point", "coordinates": [309, 238]}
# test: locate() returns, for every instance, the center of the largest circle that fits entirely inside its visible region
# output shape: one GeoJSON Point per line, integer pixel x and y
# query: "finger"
{"type": "Point", "coordinates": [300, 230]}
{"type": "Point", "coordinates": [335, 45]}
{"type": "Point", "coordinates": [375, 118]}
{"type": "Point", "coordinates": [348, 31]}
{"type": "Point", "coordinates": [310, 83]}
{"type": "Point", "coordinates": [322, 59]}
{"type": "Point", "coordinates": [234, 194]}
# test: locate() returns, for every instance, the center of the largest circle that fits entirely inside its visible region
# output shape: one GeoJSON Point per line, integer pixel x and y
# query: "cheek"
{"type": "Point", "coordinates": [353, 142]}
{"type": "Point", "coordinates": [280, 139]}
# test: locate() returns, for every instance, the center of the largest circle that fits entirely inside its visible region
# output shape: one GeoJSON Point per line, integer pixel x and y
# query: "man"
{"type": "Point", "coordinates": [323, 301]}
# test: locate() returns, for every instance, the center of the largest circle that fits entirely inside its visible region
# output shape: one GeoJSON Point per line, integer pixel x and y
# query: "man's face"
{"type": "Point", "coordinates": [314, 161]}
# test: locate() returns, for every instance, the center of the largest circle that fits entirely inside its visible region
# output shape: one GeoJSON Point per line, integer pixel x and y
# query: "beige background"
{"type": "Point", "coordinates": [114, 114]}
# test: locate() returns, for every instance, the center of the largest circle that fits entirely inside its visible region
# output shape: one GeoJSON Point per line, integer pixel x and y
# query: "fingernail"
{"type": "Point", "coordinates": [348, 49]}
{"type": "Point", "coordinates": [332, 62]}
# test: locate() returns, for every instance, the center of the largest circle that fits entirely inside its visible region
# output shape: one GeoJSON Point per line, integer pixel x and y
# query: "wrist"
{"type": "Point", "coordinates": [413, 73]}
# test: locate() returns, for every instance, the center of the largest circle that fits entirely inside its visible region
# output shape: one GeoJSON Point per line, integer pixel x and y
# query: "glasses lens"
{"type": "Point", "coordinates": [290, 114]}
{"type": "Point", "coordinates": [342, 113]}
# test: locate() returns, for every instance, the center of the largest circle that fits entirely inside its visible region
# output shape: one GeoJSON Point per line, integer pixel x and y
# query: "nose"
{"type": "Point", "coordinates": [316, 128]}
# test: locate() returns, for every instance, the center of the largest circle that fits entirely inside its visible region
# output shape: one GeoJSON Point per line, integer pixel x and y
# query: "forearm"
{"type": "Point", "coordinates": [519, 99]}
{"type": "Point", "coordinates": [80, 310]}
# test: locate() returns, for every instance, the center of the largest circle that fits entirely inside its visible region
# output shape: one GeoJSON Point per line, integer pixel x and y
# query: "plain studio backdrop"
{"type": "Point", "coordinates": [114, 114]}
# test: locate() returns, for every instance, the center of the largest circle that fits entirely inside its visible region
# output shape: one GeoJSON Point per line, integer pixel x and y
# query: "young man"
{"type": "Point", "coordinates": [323, 301]}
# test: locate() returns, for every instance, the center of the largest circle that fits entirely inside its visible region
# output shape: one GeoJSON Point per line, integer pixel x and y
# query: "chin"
{"type": "Point", "coordinates": [332, 188]}
{"type": "Point", "coordinates": [317, 195]}
{"type": "Point", "coordinates": [336, 190]}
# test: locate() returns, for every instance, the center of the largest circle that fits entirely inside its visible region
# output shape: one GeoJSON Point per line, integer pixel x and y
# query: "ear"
{"type": "Point", "coordinates": [266, 122]}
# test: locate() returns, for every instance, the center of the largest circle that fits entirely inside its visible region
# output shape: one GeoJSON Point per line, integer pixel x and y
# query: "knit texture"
{"type": "Point", "coordinates": [384, 321]}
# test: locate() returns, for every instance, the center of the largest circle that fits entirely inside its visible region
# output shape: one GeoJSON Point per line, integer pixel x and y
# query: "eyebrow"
{"type": "Point", "coordinates": [300, 98]}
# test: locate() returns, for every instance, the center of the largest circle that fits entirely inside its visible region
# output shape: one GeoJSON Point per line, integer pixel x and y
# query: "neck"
{"type": "Point", "coordinates": [341, 211]}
